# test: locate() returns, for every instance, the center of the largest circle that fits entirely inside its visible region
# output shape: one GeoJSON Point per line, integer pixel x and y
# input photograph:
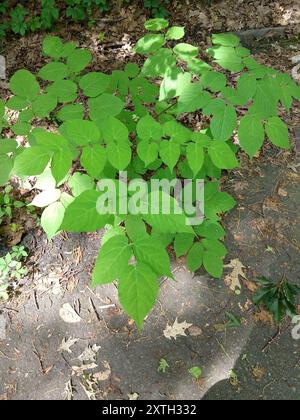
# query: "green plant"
{"type": "Point", "coordinates": [195, 372]}
{"type": "Point", "coordinates": [135, 120]}
{"type": "Point", "coordinates": [279, 298]}
{"type": "Point", "coordinates": [163, 366]}
{"type": "Point", "coordinates": [7, 203]}
{"type": "Point", "coordinates": [49, 15]}
{"type": "Point", "coordinates": [18, 20]}
{"type": "Point", "coordinates": [158, 7]}
{"type": "Point", "coordinates": [11, 268]}
{"type": "Point", "coordinates": [3, 291]}
{"type": "Point", "coordinates": [81, 9]}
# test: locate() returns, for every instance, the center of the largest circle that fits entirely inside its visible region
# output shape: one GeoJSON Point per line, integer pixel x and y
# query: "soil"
{"type": "Point", "coordinates": [256, 360]}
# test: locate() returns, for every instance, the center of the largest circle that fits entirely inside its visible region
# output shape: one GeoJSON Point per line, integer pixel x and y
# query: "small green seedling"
{"type": "Point", "coordinates": [195, 372]}
{"type": "Point", "coordinates": [163, 366]}
{"type": "Point", "coordinates": [279, 298]}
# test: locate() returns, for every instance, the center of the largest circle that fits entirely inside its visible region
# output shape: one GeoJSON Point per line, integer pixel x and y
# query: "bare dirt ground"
{"type": "Point", "coordinates": [109, 358]}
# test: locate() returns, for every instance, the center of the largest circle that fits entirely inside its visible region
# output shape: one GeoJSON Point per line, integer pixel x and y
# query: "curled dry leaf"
{"type": "Point", "coordinates": [68, 314]}
{"type": "Point", "coordinates": [177, 329]}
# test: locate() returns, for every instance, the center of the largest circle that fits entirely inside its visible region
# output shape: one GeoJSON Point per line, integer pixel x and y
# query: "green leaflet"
{"type": "Point", "coordinates": [61, 164]}
{"type": "Point", "coordinates": [31, 161]}
{"type": "Point", "coordinates": [6, 165]}
{"type": "Point", "coordinates": [43, 105]}
{"type": "Point", "coordinates": [79, 183]}
{"type": "Point", "coordinates": [195, 157]}
{"type": "Point", "coordinates": [53, 72]}
{"type": "Point", "coordinates": [153, 254]}
{"type": "Point", "coordinates": [93, 84]}
{"type": "Point", "coordinates": [228, 58]}
{"type": "Point", "coordinates": [105, 105]}
{"type": "Point", "coordinates": [195, 257]}
{"type": "Point", "coordinates": [71, 112]}
{"type": "Point", "coordinates": [175, 33]}
{"type": "Point", "coordinates": [52, 218]}
{"type": "Point", "coordinates": [160, 63]}
{"type": "Point", "coordinates": [149, 43]}
{"type": "Point", "coordinates": [214, 81]}
{"type": "Point", "coordinates": [119, 155]}
{"type": "Point", "coordinates": [192, 98]}
{"type": "Point", "coordinates": [138, 290]}
{"type": "Point", "coordinates": [156, 25]}
{"type": "Point", "coordinates": [81, 132]}
{"type": "Point", "coordinates": [82, 214]}
{"type": "Point", "coordinates": [227, 40]}
{"type": "Point", "coordinates": [113, 130]}
{"type": "Point", "coordinates": [93, 159]}
{"type": "Point", "coordinates": [63, 90]}
{"type": "Point", "coordinates": [78, 60]}
{"type": "Point", "coordinates": [182, 243]}
{"type": "Point", "coordinates": [53, 47]}
{"type": "Point", "coordinates": [213, 264]}
{"type": "Point", "coordinates": [251, 134]}
{"type": "Point", "coordinates": [175, 222]}
{"type": "Point", "coordinates": [147, 151]}
{"type": "Point", "coordinates": [24, 85]}
{"type": "Point", "coordinates": [148, 129]}
{"type": "Point", "coordinates": [169, 153]}
{"type": "Point", "coordinates": [222, 156]}
{"type": "Point", "coordinates": [223, 123]}
{"type": "Point", "coordinates": [112, 262]}
{"type": "Point", "coordinates": [278, 133]}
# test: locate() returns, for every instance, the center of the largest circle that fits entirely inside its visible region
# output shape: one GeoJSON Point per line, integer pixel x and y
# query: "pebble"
{"type": "Point", "coordinates": [2, 327]}
{"type": "Point", "coordinates": [2, 67]}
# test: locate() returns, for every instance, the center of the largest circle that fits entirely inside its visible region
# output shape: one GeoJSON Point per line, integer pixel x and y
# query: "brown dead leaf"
{"type": "Point", "coordinates": [77, 255]}
{"type": "Point", "coordinates": [282, 192]}
{"type": "Point", "coordinates": [264, 317]}
{"type": "Point", "coordinates": [250, 285]}
{"type": "Point", "coordinates": [195, 331]}
{"type": "Point", "coordinates": [258, 373]}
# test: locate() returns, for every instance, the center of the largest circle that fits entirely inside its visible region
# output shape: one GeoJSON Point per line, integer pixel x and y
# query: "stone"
{"type": "Point", "coordinates": [2, 67]}
{"type": "Point", "coordinates": [2, 327]}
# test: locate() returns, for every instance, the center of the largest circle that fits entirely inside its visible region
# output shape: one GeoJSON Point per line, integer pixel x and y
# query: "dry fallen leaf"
{"type": "Point", "coordinates": [195, 331]}
{"type": "Point", "coordinates": [258, 372]}
{"type": "Point", "coordinates": [133, 397]}
{"type": "Point", "coordinates": [264, 317]}
{"type": "Point", "coordinates": [66, 345]}
{"type": "Point", "coordinates": [177, 329]}
{"type": "Point", "coordinates": [79, 370]}
{"type": "Point", "coordinates": [68, 314]}
{"type": "Point", "coordinates": [89, 354]}
{"type": "Point", "coordinates": [68, 393]}
{"type": "Point", "coordinates": [250, 285]}
{"type": "Point", "coordinates": [232, 280]}
{"type": "Point", "coordinates": [105, 374]}
{"type": "Point", "coordinates": [282, 192]}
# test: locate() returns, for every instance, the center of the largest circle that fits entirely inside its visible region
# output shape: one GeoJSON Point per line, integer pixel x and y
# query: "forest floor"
{"type": "Point", "coordinates": [61, 339]}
